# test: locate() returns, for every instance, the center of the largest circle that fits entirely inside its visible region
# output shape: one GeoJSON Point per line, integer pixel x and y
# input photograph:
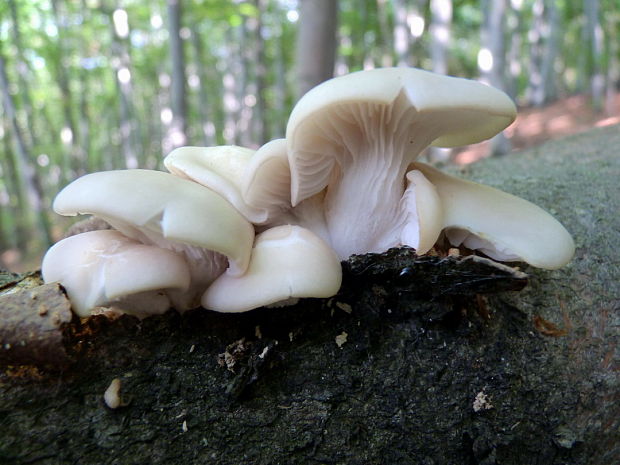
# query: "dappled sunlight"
{"type": "Point", "coordinates": [534, 126]}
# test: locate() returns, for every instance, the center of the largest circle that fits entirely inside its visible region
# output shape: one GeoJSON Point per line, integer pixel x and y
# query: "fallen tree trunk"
{"type": "Point", "coordinates": [376, 375]}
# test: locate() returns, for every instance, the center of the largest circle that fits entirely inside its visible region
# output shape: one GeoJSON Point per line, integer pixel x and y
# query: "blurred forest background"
{"type": "Point", "coordinates": [92, 85]}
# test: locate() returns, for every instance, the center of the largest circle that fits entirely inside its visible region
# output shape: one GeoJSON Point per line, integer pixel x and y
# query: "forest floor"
{"type": "Point", "coordinates": [534, 125]}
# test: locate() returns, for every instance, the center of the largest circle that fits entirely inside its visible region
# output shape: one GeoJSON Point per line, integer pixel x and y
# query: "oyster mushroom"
{"type": "Point", "coordinates": [219, 168]}
{"type": "Point", "coordinates": [356, 135]}
{"type": "Point", "coordinates": [157, 208]}
{"type": "Point", "coordinates": [106, 268]}
{"type": "Point", "coordinates": [288, 262]}
{"type": "Point", "coordinates": [257, 183]}
{"type": "Point", "coordinates": [504, 227]}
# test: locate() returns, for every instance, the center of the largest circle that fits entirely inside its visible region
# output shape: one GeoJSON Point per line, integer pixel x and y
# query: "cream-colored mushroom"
{"type": "Point", "coordinates": [221, 169]}
{"type": "Point", "coordinates": [106, 268]}
{"type": "Point", "coordinates": [503, 226]}
{"type": "Point", "coordinates": [287, 262]}
{"type": "Point", "coordinates": [355, 136]}
{"type": "Point", "coordinates": [157, 208]}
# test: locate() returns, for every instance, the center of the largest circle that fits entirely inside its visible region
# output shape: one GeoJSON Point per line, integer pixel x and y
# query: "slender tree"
{"type": "Point", "coordinates": [594, 34]}
{"type": "Point", "coordinates": [122, 69]}
{"type": "Point", "coordinates": [402, 35]}
{"type": "Point", "coordinates": [261, 127]}
{"type": "Point", "coordinates": [492, 56]}
{"type": "Point", "coordinates": [29, 180]}
{"type": "Point", "coordinates": [441, 19]}
{"type": "Point", "coordinates": [69, 134]}
{"type": "Point", "coordinates": [316, 43]}
{"type": "Point", "coordinates": [543, 51]}
{"type": "Point", "coordinates": [178, 130]}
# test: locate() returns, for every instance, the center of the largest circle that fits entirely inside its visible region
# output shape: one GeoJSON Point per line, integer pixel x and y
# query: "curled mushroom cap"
{"type": "Point", "coordinates": [219, 168]}
{"type": "Point", "coordinates": [501, 225]}
{"type": "Point", "coordinates": [266, 182]}
{"type": "Point", "coordinates": [159, 208]}
{"type": "Point", "coordinates": [106, 268]}
{"type": "Point", "coordinates": [287, 262]}
{"type": "Point", "coordinates": [356, 135]}
{"type": "Point", "coordinates": [256, 183]}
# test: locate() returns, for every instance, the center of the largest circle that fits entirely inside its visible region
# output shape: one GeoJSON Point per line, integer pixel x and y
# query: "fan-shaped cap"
{"type": "Point", "coordinates": [330, 124]}
{"type": "Point", "coordinates": [221, 169]}
{"type": "Point", "coordinates": [267, 180]}
{"type": "Point", "coordinates": [154, 207]}
{"type": "Point", "coordinates": [100, 268]}
{"type": "Point", "coordinates": [505, 227]}
{"type": "Point", "coordinates": [287, 261]}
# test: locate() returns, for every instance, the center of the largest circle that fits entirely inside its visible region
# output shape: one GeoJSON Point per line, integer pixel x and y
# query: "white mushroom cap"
{"type": "Point", "coordinates": [287, 261]}
{"type": "Point", "coordinates": [501, 225]}
{"type": "Point", "coordinates": [159, 208]}
{"type": "Point", "coordinates": [266, 182]}
{"type": "Point", "coordinates": [334, 120]}
{"type": "Point", "coordinates": [256, 183]}
{"type": "Point", "coordinates": [355, 136]}
{"type": "Point", "coordinates": [221, 169]}
{"type": "Point", "coordinates": [105, 268]}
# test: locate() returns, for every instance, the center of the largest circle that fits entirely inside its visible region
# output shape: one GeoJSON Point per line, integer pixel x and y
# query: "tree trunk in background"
{"type": "Point", "coordinates": [613, 68]}
{"type": "Point", "coordinates": [29, 180]}
{"type": "Point", "coordinates": [121, 65]}
{"type": "Point", "coordinates": [246, 86]}
{"type": "Point", "coordinates": [261, 126]}
{"type": "Point", "coordinates": [316, 43]}
{"type": "Point", "coordinates": [385, 36]}
{"type": "Point", "coordinates": [514, 65]}
{"type": "Point", "coordinates": [402, 36]}
{"type": "Point", "coordinates": [281, 92]}
{"type": "Point", "coordinates": [74, 156]}
{"type": "Point", "coordinates": [492, 57]}
{"type": "Point", "coordinates": [595, 40]}
{"type": "Point", "coordinates": [441, 22]}
{"type": "Point", "coordinates": [16, 200]}
{"type": "Point", "coordinates": [24, 75]}
{"type": "Point", "coordinates": [85, 119]}
{"type": "Point", "coordinates": [177, 134]}
{"type": "Point", "coordinates": [543, 52]}
{"type": "Point", "coordinates": [204, 104]}
{"type": "Point", "coordinates": [233, 67]}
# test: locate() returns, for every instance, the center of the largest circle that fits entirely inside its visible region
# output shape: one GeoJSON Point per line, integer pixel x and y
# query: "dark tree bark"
{"type": "Point", "coordinates": [374, 375]}
{"type": "Point", "coordinates": [316, 43]}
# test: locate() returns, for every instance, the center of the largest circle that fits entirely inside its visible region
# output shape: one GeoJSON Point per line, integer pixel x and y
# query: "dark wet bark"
{"type": "Point", "coordinates": [372, 376]}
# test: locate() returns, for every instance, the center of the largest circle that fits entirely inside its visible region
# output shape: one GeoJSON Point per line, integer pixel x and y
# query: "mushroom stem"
{"type": "Point", "coordinates": [362, 205]}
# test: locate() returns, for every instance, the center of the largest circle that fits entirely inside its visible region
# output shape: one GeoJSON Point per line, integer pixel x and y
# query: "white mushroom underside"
{"type": "Point", "coordinates": [204, 265]}
{"type": "Point", "coordinates": [376, 142]}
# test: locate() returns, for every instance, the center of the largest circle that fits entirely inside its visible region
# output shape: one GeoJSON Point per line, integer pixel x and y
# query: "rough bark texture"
{"type": "Point", "coordinates": [374, 376]}
{"type": "Point", "coordinates": [33, 320]}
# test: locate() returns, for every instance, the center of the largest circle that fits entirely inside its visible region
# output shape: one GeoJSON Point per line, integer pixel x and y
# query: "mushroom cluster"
{"type": "Point", "coordinates": [234, 229]}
